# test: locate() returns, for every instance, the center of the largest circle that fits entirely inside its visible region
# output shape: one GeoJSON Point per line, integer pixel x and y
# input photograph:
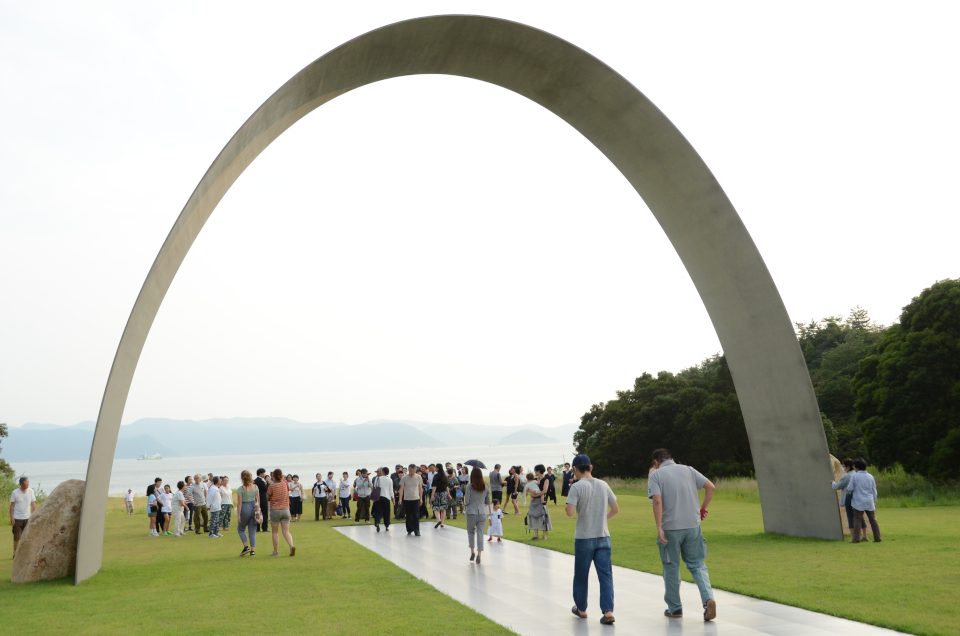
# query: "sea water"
{"type": "Point", "coordinates": [138, 474]}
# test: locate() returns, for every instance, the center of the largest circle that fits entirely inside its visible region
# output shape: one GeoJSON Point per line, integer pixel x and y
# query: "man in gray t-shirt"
{"type": "Point", "coordinates": [496, 485]}
{"type": "Point", "coordinates": [589, 498]}
{"type": "Point", "coordinates": [677, 511]}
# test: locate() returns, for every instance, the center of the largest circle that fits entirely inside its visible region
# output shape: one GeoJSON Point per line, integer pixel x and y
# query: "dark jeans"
{"type": "Point", "coordinates": [412, 509]}
{"type": "Point", "coordinates": [190, 515]}
{"type": "Point", "coordinates": [589, 552]}
{"type": "Point", "coordinates": [858, 521]}
{"type": "Point", "coordinates": [265, 511]}
{"type": "Point", "coordinates": [849, 508]}
{"type": "Point", "coordinates": [320, 507]}
{"type": "Point", "coordinates": [381, 510]}
{"type": "Point", "coordinates": [345, 504]}
{"type": "Point", "coordinates": [363, 508]}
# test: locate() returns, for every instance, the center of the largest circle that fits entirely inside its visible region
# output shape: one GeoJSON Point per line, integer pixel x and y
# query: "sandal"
{"type": "Point", "coordinates": [577, 613]}
{"type": "Point", "coordinates": [607, 621]}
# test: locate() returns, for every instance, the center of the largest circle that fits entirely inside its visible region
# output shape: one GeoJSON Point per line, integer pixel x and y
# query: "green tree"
{"type": "Point", "coordinates": [5, 469]}
{"type": "Point", "coordinates": [695, 413]}
{"type": "Point", "coordinates": [908, 393]}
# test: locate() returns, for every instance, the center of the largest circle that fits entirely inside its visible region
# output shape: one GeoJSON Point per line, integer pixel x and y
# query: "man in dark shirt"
{"type": "Point", "coordinates": [264, 504]}
{"type": "Point", "coordinates": [397, 504]}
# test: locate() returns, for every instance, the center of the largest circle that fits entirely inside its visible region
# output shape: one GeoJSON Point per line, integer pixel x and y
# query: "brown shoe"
{"type": "Point", "coordinates": [293, 551]}
{"type": "Point", "coordinates": [710, 611]}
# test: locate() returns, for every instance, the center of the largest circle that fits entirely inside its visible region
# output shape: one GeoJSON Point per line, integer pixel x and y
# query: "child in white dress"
{"type": "Point", "coordinates": [496, 523]}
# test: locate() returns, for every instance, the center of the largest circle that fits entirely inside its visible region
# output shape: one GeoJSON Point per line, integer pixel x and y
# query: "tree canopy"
{"type": "Point", "coordinates": [890, 395]}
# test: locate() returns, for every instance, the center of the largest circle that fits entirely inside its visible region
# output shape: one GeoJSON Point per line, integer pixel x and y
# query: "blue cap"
{"type": "Point", "coordinates": [580, 461]}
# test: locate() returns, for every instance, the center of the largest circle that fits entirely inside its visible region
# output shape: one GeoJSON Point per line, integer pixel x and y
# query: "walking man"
{"type": "Point", "coordinates": [23, 503]}
{"type": "Point", "coordinates": [319, 499]}
{"type": "Point", "coordinates": [677, 511]}
{"type": "Point", "coordinates": [201, 516]}
{"type": "Point", "coordinates": [863, 487]}
{"type": "Point", "coordinates": [411, 494]}
{"type": "Point", "coordinates": [589, 498]}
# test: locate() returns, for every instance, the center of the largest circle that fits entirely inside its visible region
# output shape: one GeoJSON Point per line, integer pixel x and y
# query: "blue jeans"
{"type": "Point", "coordinates": [689, 545]}
{"type": "Point", "coordinates": [598, 552]}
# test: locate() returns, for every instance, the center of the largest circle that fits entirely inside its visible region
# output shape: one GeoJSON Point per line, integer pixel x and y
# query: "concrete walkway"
{"type": "Point", "coordinates": [530, 591]}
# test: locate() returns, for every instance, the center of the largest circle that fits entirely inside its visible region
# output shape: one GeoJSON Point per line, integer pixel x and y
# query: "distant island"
{"type": "Point", "coordinates": [147, 437]}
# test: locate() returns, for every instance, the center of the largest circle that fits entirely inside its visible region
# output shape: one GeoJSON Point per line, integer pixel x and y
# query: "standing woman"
{"type": "Point", "coordinates": [441, 496]}
{"type": "Point", "coordinates": [188, 498]}
{"type": "Point", "coordinates": [248, 500]}
{"type": "Point", "coordinates": [453, 485]}
{"type": "Point", "coordinates": [538, 517]}
{"type": "Point", "coordinates": [567, 480]}
{"type": "Point", "coordinates": [214, 501]}
{"type": "Point", "coordinates": [476, 496]}
{"type": "Point", "coordinates": [463, 478]}
{"type": "Point", "coordinates": [226, 503]}
{"type": "Point", "coordinates": [296, 499]}
{"type": "Point", "coordinates": [179, 510]}
{"type": "Point", "coordinates": [345, 496]}
{"type": "Point", "coordinates": [422, 473]}
{"type": "Point", "coordinates": [513, 483]}
{"type": "Point", "coordinates": [152, 510]}
{"type": "Point", "coordinates": [166, 507]}
{"type": "Point", "coordinates": [278, 495]}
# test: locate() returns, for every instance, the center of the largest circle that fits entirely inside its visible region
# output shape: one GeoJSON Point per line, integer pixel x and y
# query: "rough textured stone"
{"type": "Point", "coordinates": [48, 549]}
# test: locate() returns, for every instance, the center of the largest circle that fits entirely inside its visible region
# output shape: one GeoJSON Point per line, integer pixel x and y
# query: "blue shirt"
{"type": "Point", "coordinates": [864, 489]}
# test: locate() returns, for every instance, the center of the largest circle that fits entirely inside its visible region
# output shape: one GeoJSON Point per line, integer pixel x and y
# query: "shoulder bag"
{"type": "Point", "coordinates": [375, 495]}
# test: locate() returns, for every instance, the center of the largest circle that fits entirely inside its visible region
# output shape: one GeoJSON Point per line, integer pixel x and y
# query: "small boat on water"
{"type": "Point", "coordinates": [157, 456]}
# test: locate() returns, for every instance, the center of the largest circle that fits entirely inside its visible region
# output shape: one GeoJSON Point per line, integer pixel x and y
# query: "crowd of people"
{"type": "Point", "coordinates": [440, 491]}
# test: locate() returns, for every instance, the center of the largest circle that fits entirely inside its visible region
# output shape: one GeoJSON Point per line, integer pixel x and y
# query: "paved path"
{"type": "Point", "coordinates": [529, 590]}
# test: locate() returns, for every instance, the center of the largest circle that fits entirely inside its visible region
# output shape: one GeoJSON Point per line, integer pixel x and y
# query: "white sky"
{"type": "Point", "coordinates": [436, 248]}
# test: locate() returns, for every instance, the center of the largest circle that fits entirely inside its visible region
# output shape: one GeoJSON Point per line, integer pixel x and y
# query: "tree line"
{"type": "Point", "coordinates": [888, 394]}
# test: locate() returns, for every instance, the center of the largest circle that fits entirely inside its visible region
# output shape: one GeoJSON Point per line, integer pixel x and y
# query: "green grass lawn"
{"type": "Point", "coordinates": [167, 585]}
{"type": "Point", "coordinates": [909, 582]}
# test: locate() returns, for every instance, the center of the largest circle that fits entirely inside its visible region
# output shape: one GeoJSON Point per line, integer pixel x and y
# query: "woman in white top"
{"type": "Point", "coordinates": [166, 507]}
{"type": "Point", "coordinates": [296, 498]}
{"type": "Point", "coordinates": [226, 503]}
{"type": "Point", "coordinates": [179, 510]}
{"type": "Point", "coordinates": [344, 495]}
{"type": "Point", "coordinates": [214, 500]}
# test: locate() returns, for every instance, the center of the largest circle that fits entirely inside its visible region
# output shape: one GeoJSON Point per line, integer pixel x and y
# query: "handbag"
{"type": "Point", "coordinates": [375, 495]}
{"type": "Point", "coordinates": [339, 510]}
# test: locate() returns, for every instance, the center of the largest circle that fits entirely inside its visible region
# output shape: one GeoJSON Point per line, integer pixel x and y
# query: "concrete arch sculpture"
{"type": "Point", "coordinates": [776, 396]}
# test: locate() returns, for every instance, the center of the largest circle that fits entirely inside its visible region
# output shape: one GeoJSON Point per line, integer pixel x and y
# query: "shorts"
{"type": "Point", "coordinates": [18, 527]}
{"type": "Point", "coordinates": [513, 495]}
{"type": "Point", "coordinates": [280, 515]}
{"type": "Point", "coordinates": [496, 495]}
{"type": "Point", "coordinates": [152, 513]}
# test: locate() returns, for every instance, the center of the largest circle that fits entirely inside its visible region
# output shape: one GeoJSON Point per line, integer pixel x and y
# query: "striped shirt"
{"type": "Point", "coordinates": [279, 496]}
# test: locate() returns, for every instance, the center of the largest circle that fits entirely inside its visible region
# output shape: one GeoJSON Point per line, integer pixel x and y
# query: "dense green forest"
{"type": "Point", "coordinates": [888, 394]}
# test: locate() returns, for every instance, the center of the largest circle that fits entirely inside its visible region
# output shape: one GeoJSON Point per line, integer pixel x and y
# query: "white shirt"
{"type": "Point", "coordinates": [213, 499]}
{"type": "Point", "coordinates": [165, 501]}
{"type": "Point", "coordinates": [225, 496]}
{"type": "Point", "coordinates": [22, 501]}
{"type": "Point", "coordinates": [130, 497]}
{"type": "Point", "coordinates": [344, 489]}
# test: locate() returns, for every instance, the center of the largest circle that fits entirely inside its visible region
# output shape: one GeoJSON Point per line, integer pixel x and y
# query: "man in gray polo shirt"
{"type": "Point", "coordinates": [677, 511]}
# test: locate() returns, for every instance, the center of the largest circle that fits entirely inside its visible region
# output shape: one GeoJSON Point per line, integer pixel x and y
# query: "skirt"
{"type": "Point", "coordinates": [441, 500]}
{"type": "Point", "coordinates": [296, 506]}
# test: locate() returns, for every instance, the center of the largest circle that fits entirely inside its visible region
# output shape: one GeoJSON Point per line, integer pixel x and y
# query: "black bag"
{"type": "Point", "coordinates": [375, 495]}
